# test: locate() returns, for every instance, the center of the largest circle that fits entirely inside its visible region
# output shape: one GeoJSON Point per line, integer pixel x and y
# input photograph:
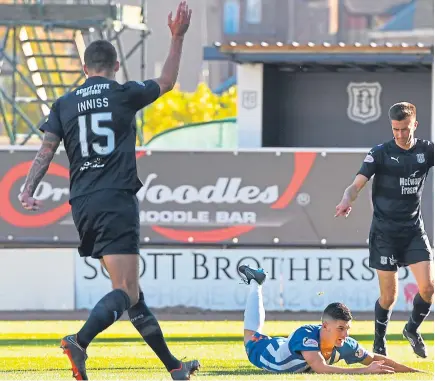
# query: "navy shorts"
{"type": "Point", "coordinates": [107, 222]}
{"type": "Point", "coordinates": [388, 253]}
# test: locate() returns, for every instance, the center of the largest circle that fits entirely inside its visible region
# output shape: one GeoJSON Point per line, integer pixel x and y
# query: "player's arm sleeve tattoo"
{"type": "Point", "coordinates": [42, 162]}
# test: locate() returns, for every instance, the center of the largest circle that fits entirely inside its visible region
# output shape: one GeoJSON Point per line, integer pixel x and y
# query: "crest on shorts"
{"type": "Point", "coordinates": [364, 101]}
{"type": "Point", "coordinates": [384, 260]}
{"type": "Point", "coordinates": [420, 158]}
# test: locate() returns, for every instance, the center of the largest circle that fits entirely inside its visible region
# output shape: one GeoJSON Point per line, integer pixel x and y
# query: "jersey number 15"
{"type": "Point", "coordinates": [96, 121]}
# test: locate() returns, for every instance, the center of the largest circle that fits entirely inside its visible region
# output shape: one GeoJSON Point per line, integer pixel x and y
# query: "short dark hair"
{"type": "Point", "coordinates": [401, 111]}
{"type": "Point", "coordinates": [337, 311]}
{"type": "Point", "coordinates": [100, 56]}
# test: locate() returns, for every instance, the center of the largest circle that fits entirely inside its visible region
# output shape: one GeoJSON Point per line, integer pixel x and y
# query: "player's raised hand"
{"type": "Point", "coordinates": [180, 24]}
{"type": "Point", "coordinates": [379, 367]}
{"type": "Point", "coordinates": [343, 209]}
{"type": "Point", "coordinates": [29, 202]}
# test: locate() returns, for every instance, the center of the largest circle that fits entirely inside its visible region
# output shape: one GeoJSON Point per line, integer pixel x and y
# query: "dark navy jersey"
{"type": "Point", "coordinates": [97, 124]}
{"type": "Point", "coordinates": [399, 177]}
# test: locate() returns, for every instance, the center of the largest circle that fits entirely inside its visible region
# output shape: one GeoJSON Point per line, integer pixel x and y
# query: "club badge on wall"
{"type": "Point", "coordinates": [364, 101]}
{"type": "Point", "coordinates": [249, 99]}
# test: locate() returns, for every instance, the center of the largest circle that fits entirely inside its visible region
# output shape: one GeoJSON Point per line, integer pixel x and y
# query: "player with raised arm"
{"type": "Point", "coordinates": [96, 122]}
{"type": "Point", "coordinates": [397, 234]}
{"type": "Point", "coordinates": [310, 348]}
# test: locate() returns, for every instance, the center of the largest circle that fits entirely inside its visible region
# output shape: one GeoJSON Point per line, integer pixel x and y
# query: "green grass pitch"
{"type": "Point", "coordinates": [30, 351]}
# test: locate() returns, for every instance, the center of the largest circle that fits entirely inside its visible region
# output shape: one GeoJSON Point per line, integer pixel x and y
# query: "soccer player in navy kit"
{"type": "Point", "coordinates": [310, 348]}
{"type": "Point", "coordinates": [397, 235]}
{"type": "Point", "coordinates": [97, 124]}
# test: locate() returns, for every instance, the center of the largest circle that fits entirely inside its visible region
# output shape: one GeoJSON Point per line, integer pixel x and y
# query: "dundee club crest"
{"type": "Point", "coordinates": [364, 101]}
{"type": "Point", "coordinates": [249, 100]}
{"type": "Point", "coordinates": [420, 158]}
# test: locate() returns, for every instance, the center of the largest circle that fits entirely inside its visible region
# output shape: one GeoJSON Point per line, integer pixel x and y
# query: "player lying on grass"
{"type": "Point", "coordinates": [311, 348]}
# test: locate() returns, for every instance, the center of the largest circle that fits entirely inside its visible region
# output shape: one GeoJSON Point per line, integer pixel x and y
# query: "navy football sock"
{"type": "Point", "coordinates": [419, 313]}
{"type": "Point", "coordinates": [108, 310]}
{"type": "Point", "coordinates": [148, 327]}
{"type": "Point", "coordinates": [382, 317]}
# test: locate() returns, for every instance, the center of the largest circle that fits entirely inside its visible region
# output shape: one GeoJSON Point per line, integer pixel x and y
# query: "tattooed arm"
{"type": "Point", "coordinates": [38, 169]}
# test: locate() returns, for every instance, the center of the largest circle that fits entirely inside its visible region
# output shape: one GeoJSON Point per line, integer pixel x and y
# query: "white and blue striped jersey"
{"type": "Point", "coordinates": [283, 354]}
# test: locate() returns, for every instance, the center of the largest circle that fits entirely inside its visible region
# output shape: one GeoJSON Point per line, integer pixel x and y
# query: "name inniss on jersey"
{"type": "Point", "coordinates": [97, 122]}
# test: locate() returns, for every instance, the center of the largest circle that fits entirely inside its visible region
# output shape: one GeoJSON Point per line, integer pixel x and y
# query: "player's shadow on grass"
{"type": "Point", "coordinates": [114, 340]}
{"type": "Point", "coordinates": [89, 369]}
{"type": "Point", "coordinates": [246, 370]}
{"type": "Point", "coordinates": [175, 339]}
